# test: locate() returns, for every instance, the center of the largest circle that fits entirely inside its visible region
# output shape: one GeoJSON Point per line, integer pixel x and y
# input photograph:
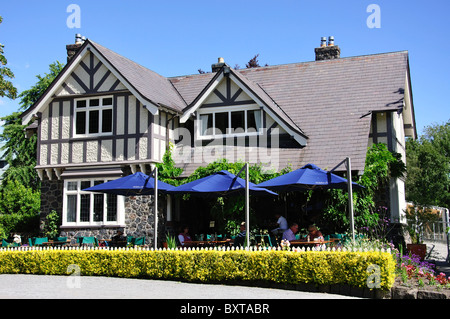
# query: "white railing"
{"type": "Point", "coordinates": [251, 248]}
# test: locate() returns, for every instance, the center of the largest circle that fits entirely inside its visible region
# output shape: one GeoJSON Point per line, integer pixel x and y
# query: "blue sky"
{"type": "Point", "coordinates": [179, 37]}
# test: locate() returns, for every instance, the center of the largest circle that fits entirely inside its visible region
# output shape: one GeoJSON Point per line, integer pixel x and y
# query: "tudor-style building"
{"type": "Point", "coordinates": [106, 116]}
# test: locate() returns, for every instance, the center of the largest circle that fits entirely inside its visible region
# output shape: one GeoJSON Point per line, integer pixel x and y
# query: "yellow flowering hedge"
{"type": "Point", "coordinates": [317, 267]}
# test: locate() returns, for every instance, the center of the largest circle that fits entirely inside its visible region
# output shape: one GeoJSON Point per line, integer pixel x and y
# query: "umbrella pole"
{"type": "Point", "coordinates": [350, 197]}
{"type": "Point", "coordinates": [247, 206]}
{"type": "Point", "coordinates": [156, 207]}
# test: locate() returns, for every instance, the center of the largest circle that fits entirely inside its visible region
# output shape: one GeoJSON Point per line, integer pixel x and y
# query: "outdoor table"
{"type": "Point", "coordinates": [56, 243]}
{"type": "Point", "coordinates": [310, 243]}
{"type": "Point", "coordinates": [207, 243]}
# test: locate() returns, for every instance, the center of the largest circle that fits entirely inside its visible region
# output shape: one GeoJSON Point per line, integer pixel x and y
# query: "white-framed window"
{"type": "Point", "coordinates": [229, 121]}
{"type": "Point", "coordinates": [93, 116]}
{"type": "Point", "coordinates": [82, 208]}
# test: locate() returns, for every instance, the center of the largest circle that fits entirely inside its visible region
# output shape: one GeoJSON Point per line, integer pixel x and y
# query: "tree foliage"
{"type": "Point", "coordinates": [30, 96]}
{"type": "Point", "coordinates": [20, 152]}
{"type": "Point", "coordinates": [6, 87]}
{"type": "Point", "coordinates": [428, 170]}
{"type": "Point", "coordinates": [380, 166]}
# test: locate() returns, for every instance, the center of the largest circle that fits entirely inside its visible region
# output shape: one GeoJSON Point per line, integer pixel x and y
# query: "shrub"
{"type": "Point", "coordinates": [317, 267]}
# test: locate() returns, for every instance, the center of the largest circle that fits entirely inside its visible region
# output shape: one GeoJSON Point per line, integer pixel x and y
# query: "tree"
{"type": "Point", "coordinates": [20, 152]}
{"type": "Point", "coordinates": [380, 166]}
{"type": "Point", "coordinates": [29, 97]}
{"type": "Point", "coordinates": [428, 167]}
{"type": "Point", "coordinates": [253, 63]}
{"type": "Point", "coordinates": [6, 87]}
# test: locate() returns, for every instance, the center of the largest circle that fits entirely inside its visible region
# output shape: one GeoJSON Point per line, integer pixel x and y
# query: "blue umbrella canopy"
{"type": "Point", "coordinates": [308, 177]}
{"type": "Point", "coordinates": [135, 184]}
{"type": "Point", "coordinates": [219, 184]}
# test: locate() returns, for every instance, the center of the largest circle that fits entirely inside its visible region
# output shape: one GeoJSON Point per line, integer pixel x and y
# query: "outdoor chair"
{"type": "Point", "coordinates": [130, 240]}
{"type": "Point", "coordinates": [9, 244]}
{"type": "Point", "coordinates": [139, 241]}
{"type": "Point", "coordinates": [61, 239]}
{"type": "Point", "coordinates": [88, 241]}
{"type": "Point", "coordinates": [39, 241]}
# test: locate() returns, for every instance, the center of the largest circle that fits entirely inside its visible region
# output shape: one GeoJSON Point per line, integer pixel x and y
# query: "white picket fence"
{"type": "Point", "coordinates": [251, 248]}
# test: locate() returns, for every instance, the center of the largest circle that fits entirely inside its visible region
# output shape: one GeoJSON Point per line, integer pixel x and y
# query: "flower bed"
{"type": "Point", "coordinates": [351, 268]}
{"type": "Point", "coordinates": [413, 272]}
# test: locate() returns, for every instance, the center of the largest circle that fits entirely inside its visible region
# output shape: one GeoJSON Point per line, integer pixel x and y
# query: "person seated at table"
{"type": "Point", "coordinates": [118, 237]}
{"type": "Point", "coordinates": [118, 240]}
{"type": "Point", "coordinates": [240, 238]}
{"type": "Point", "coordinates": [289, 234]}
{"type": "Point", "coordinates": [282, 225]}
{"type": "Point", "coordinates": [184, 236]}
{"type": "Point", "coordinates": [314, 233]}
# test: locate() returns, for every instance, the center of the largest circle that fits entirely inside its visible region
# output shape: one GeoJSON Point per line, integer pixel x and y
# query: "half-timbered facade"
{"type": "Point", "coordinates": [106, 116]}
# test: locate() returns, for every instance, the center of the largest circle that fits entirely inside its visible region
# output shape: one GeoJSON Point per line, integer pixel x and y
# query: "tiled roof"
{"type": "Point", "coordinates": [330, 101]}
{"type": "Point", "coordinates": [150, 84]}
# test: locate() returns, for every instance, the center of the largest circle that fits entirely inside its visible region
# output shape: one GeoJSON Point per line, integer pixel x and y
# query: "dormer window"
{"type": "Point", "coordinates": [93, 116]}
{"type": "Point", "coordinates": [229, 121]}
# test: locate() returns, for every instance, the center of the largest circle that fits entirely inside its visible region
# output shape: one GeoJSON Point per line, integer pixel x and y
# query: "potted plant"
{"type": "Point", "coordinates": [417, 217]}
{"type": "Point", "coordinates": [170, 242]}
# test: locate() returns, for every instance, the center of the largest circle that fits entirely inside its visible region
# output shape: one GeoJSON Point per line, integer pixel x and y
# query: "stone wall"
{"type": "Point", "coordinates": [51, 198]}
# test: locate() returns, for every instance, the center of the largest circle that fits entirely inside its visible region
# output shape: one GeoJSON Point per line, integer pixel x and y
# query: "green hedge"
{"type": "Point", "coordinates": [317, 267]}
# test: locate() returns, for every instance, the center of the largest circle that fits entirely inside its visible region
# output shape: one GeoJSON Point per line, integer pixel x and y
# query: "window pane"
{"type": "Point", "coordinates": [238, 120]}
{"type": "Point", "coordinates": [72, 186]}
{"type": "Point", "coordinates": [221, 123]}
{"type": "Point", "coordinates": [107, 121]}
{"type": "Point", "coordinates": [85, 184]}
{"type": "Point", "coordinates": [253, 120]}
{"type": "Point", "coordinates": [206, 123]}
{"type": "Point", "coordinates": [80, 125]}
{"type": "Point", "coordinates": [85, 207]}
{"type": "Point", "coordinates": [98, 207]}
{"type": "Point", "coordinates": [71, 208]}
{"type": "Point", "coordinates": [107, 101]}
{"type": "Point", "coordinates": [111, 202]}
{"type": "Point", "coordinates": [81, 103]}
{"type": "Point", "coordinates": [94, 102]}
{"type": "Point", "coordinates": [93, 121]}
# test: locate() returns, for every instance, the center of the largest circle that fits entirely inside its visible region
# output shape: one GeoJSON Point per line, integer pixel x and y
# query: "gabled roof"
{"type": "Point", "coordinates": [206, 84]}
{"type": "Point", "coordinates": [150, 84]}
{"type": "Point", "coordinates": [330, 100]}
{"type": "Point", "coordinates": [151, 88]}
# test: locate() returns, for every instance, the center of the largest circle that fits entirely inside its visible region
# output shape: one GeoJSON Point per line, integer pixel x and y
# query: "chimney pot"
{"type": "Point", "coordinates": [72, 49]}
{"type": "Point", "coordinates": [327, 52]}
{"type": "Point", "coordinates": [330, 41]}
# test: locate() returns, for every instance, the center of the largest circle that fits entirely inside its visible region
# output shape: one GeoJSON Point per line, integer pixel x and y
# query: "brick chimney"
{"type": "Point", "coordinates": [217, 66]}
{"type": "Point", "coordinates": [72, 49]}
{"type": "Point", "coordinates": [327, 52]}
